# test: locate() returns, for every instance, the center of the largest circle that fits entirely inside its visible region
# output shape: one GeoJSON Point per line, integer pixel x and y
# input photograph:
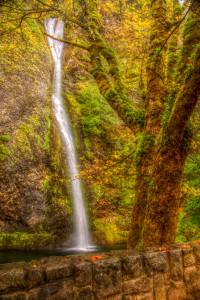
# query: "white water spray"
{"type": "Point", "coordinates": [81, 237]}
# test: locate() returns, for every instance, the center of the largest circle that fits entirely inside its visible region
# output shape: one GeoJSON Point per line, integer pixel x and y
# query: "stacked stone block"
{"type": "Point", "coordinates": [138, 275]}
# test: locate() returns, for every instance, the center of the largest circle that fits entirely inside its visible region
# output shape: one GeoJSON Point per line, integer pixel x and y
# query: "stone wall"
{"type": "Point", "coordinates": [172, 274]}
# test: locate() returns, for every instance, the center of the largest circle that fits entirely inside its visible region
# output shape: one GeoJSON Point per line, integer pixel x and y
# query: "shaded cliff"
{"type": "Point", "coordinates": [33, 189]}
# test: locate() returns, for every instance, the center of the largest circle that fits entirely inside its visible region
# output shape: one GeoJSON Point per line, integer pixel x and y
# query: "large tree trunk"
{"type": "Point", "coordinates": [161, 219]}
{"type": "Point", "coordinates": [157, 202]}
{"type": "Point", "coordinates": [163, 149]}
{"type": "Point", "coordinates": [146, 149]}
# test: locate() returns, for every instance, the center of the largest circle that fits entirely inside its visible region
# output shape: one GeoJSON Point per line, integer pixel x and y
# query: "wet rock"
{"type": "Point", "coordinates": [156, 262]}
{"type": "Point", "coordinates": [16, 296]}
{"type": "Point", "coordinates": [107, 277]}
{"type": "Point", "coordinates": [83, 273]}
{"type": "Point", "coordinates": [35, 276]}
{"type": "Point", "coordinates": [145, 296]}
{"type": "Point", "coordinates": [115, 297]}
{"type": "Point", "coordinates": [85, 293]}
{"type": "Point", "coordinates": [197, 253]}
{"type": "Point", "coordinates": [132, 266]}
{"type": "Point", "coordinates": [176, 266]}
{"type": "Point", "coordinates": [192, 280]}
{"type": "Point", "coordinates": [59, 270]}
{"type": "Point", "coordinates": [188, 257]}
{"type": "Point", "coordinates": [53, 291]}
{"type": "Point", "coordinates": [12, 278]}
{"type": "Point", "coordinates": [160, 283]}
{"type": "Point", "coordinates": [177, 291]}
{"type": "Point", "coordinates": [137, 286]}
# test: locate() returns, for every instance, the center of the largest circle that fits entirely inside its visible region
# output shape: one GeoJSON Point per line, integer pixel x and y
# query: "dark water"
{"type": "Point", "coordinates": [9, 256]}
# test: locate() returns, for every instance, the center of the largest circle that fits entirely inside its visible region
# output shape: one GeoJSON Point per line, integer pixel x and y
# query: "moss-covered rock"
{"type": "Point", "coordinates": [34, 197]}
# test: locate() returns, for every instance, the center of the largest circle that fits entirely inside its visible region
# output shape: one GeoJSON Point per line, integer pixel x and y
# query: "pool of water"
{"type": "Point", "coordinates": [8, 256]}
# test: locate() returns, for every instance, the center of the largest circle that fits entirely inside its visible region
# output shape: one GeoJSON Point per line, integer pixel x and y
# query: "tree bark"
{"type": "Point", "coordinates": [161, 166]}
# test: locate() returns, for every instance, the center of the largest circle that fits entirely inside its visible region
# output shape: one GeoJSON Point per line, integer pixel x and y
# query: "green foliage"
{"type": "Point", "coordinates": [95, 114]}
{"type": "Point", "coordinates": [187, 230]}
{"type": "Point", "coordinates": [189, 218]}
{"type": "Point", "coordinates": [109, 230]}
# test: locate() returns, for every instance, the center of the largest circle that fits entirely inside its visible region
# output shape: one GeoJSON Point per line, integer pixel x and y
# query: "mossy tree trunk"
{"type": "Point", "coordinates": [147, 147]}
{"type": "Point", "coordinates": [161, 165]}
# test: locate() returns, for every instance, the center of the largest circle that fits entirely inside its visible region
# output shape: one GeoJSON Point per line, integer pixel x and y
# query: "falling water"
{"type": "Point", "coordinates": [81, 237]}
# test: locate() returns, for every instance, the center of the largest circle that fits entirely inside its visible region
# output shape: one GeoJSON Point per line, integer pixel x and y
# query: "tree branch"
{"type": "Point", "coordinates": [185, 103]}
{"type": "Point", "coordinates": [83, 26]}
{"type": "Point", "coordinates": [177, 26]}
{"type": "Point", "coordinates": [85, 47]}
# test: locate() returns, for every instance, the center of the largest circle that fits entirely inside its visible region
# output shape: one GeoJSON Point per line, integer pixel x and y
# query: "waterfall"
{"type": "Point", "coordinates": [81, 237]}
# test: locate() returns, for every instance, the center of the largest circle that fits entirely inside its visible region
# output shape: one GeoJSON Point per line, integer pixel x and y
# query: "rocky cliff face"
{"type": "Point", "coordinates": [33, 189]}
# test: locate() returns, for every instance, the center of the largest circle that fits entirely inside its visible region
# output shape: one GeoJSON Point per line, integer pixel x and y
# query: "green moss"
{"type": "Point", "coordinates": [24, 135]}
{"type": "Point", "coordinates": [4, 138]}
{"type": "Point", "coordinates": [146, 142]}
{"type": "Point", "coordinates": [133, 115]}
{"type": "Point", "coordinates": [47, 127]}
{"type": "Point", "coordinates": [143, 93]}
{"type": "Point", "coordinates": [4, 152]}
{"type": "Point", "coordinates": [25, 240]}
{"type": "Point", "coordinates": [166, 114]}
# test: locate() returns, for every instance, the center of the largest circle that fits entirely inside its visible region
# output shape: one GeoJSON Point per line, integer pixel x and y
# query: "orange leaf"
{"type": "Point", "coordinates": [34, 266]}
{"type": "Point", "coordinates": [96, 257]}
{"type": "Point", "coordinates": [161, 249]}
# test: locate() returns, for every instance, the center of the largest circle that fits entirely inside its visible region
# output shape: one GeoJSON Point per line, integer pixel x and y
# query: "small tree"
{"type": "Point", "coordinates": [163, 125]}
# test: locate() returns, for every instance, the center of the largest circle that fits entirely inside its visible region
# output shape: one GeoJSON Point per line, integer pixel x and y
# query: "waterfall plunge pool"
{"type": "Point", "coordinates": [9, 256]}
